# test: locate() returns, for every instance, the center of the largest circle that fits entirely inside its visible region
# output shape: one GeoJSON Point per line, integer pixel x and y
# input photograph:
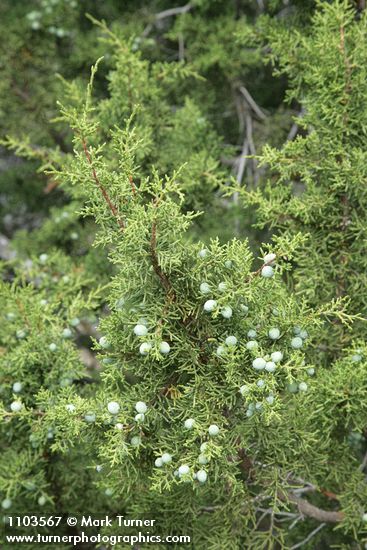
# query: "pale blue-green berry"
{"type": "Point", "coordinates": [119, 426]}
{"type": "Point", "coordinates": [270, 399]}
{"type": "Point", "coordinates": [269, 258]}
{"type": "Point", "coordinates": [267, 271]}
{"type": "Point", "coordinates": [296, 342]}
{"type": "Point", "coordinates": [90, 417]}
{"type": "Point", "coordinates": [311, 371]}
{"type": "Point", "coordinates": [249, 412]}
{"type": "Point", "coordinates": [244, 389]}
{"type": "Point", "coordinates": [260, 383]}
{"type": "Point", "coordinates": [270, 366]}
{"type": "Point", "coordinates": [259, 363]}
{"type": "Point", "coordinates": [140, 330]}
{"type": "Point", "coordinates": [166, 458]}
{"type": "Point", "coordinates": [16, 406]}
{"type": "Point", "coordinates": [66, 279]}
{"type": "Point", "coordinates": [33, 15]}
{"type": "Point", "coordinates": [75, 322]}
{"type": "Point", "coordinates": [251, 406]}
{"type": "Point", "coordinates": [113, 407]}
{"type": "Point", "coordinates": [276, 356]}
{"type": "Point", "coordinates": [140, 417]}
{"type": "Point", "coordinates": [221, 350]}
{"type": "Point", "coordinates": [297, 330]}
{"type": "Point", "coordinates": [231, 341]}
{"type": "Point", "coordinates": [183, 470]}
{"type": "Point", "coordinates": [158, 462]}
{"type": "Point", "coordinates": [222, 287]}
{"type": "Point", "coordinates": [141, 407]}
{"type": "Point", "coordinates": [204, 288]}
{"type": "Point", "coordinates": [164, 347]}
{"type": "Point", "coordinates": [145, 348]}
{"type": "Point", "coordinates": [135, 441]}
{"type": "Point", "coordinates": [364, 516]}
{"type": "Point", "coordinates": [119, 304]}
{"type": "Point", "coordinates": [64, 382]}
{"type": "Point", "coordinates": [251, 333]}
{"type": "Point", "coordinates": [104, 343]}
{"type": "Point", "coordinates": [203, 447]}
{"type": "Point", "coordinates": [356, 358]}
{"type": "Point", "coordinates": [10, 316]}
{"type": "Point", "coordinates": [213, 430]}
{"type": "Point", "coordinates": [6, 503]}
{"type": "Point", "coordinates": [66, 333]}
{"type": "Point", "coordinates": [293, 388]}
{"type": "Point", "coordinates": [274, 333]}
{"type": "Point", "coordinates": [41, 500]}
{"type": "Point", "coordinates": [52, 346]}
{"type": "Point", "coordinates": [43, 258]}
{"type": "Point", "coordinates": [201, 476]}
{"type": "Point", "coordinates": [21, 334]}
{"type": "Point", "coordinates": [210, 305]}
{"type": "Point", "coordinates": [108, 492]}
{"type": "Point", "coordinates": [258, 406]}
{"type": "Point", "coordinates": [17, 387]}
{"type": "Point", "coordinates": [303, 334]}
{"type": "Point", "coordinates": [202, 459]}
{"type": "Point", "coordinates": [50, 433]}
{"type": "Point", "coordinates": [108, 360]}
{"type": "Point", "coordinates": [70, 407]}
{"type": "Point", "coordinates": [189, 423]}
{"type": "Point", "coordinates": [43, 302]}
{"type": "Point", "coordinates": [203, 253]}
{"type": "Point", "coordinates": [99, 468]}
{"type": "Point", "coordinates": [33, 440]}
{"type": "Point", "coordinates": [74, 236]}
{"type": "Point", "coordinates": [302, 386]}
{"type": "Point", "coordinates": [226, 312]}
{"type": "Point", "coordinates": [228, 264]}
{"type": "Point", "coordinates": [244, 309]}
{"type": "Point", "coordinates": [252, 344]}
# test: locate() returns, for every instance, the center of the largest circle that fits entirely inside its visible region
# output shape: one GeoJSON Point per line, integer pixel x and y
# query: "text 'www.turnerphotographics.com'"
{"type": "Point", "coordinates": [86, 529]}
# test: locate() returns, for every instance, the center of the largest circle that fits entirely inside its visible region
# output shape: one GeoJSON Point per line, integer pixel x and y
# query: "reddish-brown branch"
{"type": "Point", "coordinates": [101, 187]}
{"type": "Point", "coordinates": [305, 508]}
{"type": "Point", "coordinates": [311, 511]}
{"type": "Point", "coordinates": [133, 188]}
{"type": "Point", "coordinates": [157, 268]}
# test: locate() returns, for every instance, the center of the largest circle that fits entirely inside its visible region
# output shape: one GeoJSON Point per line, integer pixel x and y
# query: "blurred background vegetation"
{"type": "Point", "coordinates": [236, 99]}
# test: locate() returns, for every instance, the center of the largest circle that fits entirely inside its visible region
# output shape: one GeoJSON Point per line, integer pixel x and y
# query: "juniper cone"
{"type": "Point", "coordinates": [158, 361]}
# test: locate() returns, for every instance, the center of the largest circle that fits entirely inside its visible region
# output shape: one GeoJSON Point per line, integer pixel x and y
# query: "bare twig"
{"type": "Point", "coordinates": [164, 14]}
{"type": "Point", "coordinates": [173, 11]}
{"type": "Point", "coordinates": [363, 463]}
{"type": "Point", "coordinates": [242, 160]}
{"type": "Point", "coordinates": [309, 510]}
{"type": "Point", "coordinates": [295, 127]}
{"type": "Point", "coordinates": [309, 537]}
{"type": "Point", "coordinates": [252, 103]}
{"type": "Point", "coordinates": [181, 47]}
{"type": "Point", "coordinates": [249, 134]}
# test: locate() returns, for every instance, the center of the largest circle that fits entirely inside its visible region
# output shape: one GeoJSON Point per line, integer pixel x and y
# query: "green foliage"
{"type": "Point", "coordinates": [317, 184]}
